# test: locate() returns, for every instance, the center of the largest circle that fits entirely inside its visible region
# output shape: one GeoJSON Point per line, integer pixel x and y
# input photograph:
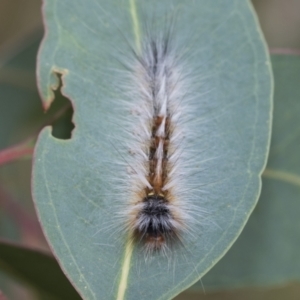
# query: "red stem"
{"type": "Point", "coordinates": [15, 152]}
{"type": "Point", "coordinates": [2, 297]}
{"type": "Point", "coordinates": [285, 51]}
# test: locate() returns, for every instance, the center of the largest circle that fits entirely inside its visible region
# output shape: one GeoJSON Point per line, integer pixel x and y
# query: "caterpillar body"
{"type": "Point", "coordinates": [157, 214]}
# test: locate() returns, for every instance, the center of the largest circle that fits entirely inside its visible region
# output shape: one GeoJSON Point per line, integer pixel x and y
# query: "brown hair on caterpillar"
{"type": "Point", "coordinates": [155, 223]}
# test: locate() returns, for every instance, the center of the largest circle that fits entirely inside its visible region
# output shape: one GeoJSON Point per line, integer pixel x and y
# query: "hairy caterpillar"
{"type": "Point", "coordinates": [157, 214]}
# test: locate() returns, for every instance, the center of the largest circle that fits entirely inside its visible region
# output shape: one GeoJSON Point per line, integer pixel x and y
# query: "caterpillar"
{"type": "Point", "coordinates": [157, 213]}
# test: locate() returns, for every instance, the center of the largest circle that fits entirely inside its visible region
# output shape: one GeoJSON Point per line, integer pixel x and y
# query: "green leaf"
{"type": "Point", "coordinates": [267, 252]}
{"type": "Point", "coordinates": [36, 268]}
{"type": "Point", "coordinates": [73, 180]}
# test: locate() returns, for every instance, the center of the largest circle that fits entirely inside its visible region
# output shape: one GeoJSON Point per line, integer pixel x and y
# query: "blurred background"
{"type": "Point", "coordinates": [22, 116]}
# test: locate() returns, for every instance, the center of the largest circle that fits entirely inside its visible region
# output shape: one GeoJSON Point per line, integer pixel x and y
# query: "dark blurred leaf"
{"type": "Point", "coordinates": [19, 108]}
{"type": "Point", "coordinates": [21, 116]}
{"type": "Point", "coordinates": [280, 22]}
{"type": "Point", "coordinates": [36, 268]}
{"type": "Point", "coordinates": [289, 292]}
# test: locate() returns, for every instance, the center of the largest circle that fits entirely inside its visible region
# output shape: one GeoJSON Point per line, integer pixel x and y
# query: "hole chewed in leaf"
{"type": "Point", "coordinates": [60, 114]}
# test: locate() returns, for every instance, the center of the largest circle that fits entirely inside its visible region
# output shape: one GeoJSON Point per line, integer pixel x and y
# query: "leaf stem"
{"type": "Point", "coordinates": [285, 51]}
{"type": "Point", "coordinates": [26, 147]}
{"type": "Point", "coordinates": [136, 26]}
{"type": "Point", "coordinates": [282, 176]}
{"type": "Point", "coordinates": [125, 271]}
{"type": "Point", "coordinates": [16, 152]}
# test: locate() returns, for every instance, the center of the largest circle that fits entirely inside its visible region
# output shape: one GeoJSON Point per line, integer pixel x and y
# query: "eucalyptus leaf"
{"type": "Point", "coordinates": [267, 251]}
{"type": "Point", "coordinates": [73, 180]}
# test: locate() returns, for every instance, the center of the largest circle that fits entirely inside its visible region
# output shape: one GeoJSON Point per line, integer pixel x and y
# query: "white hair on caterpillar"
{"type": "Point", "coordinates": [158, 210]}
